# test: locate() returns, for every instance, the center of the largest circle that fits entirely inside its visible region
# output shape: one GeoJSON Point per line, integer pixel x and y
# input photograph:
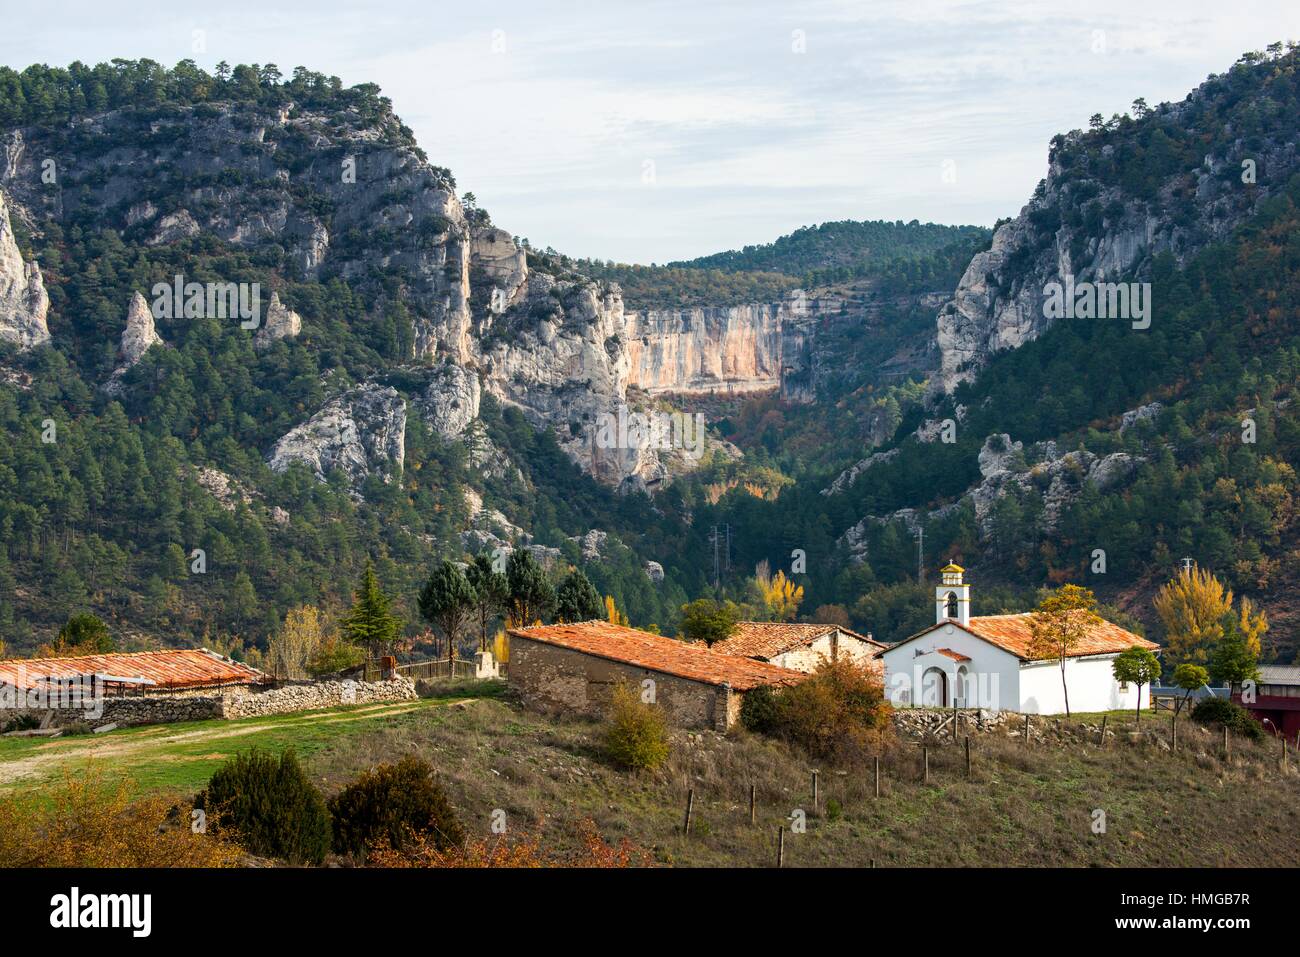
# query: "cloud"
{"type": "Point", "coordinates": [757, 116]}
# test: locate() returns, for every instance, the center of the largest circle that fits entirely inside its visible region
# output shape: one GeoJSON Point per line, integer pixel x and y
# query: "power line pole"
{"type": "Point", "coordinates": [720, 539]}
{"type": "Point", "coordinates": [920, 554]}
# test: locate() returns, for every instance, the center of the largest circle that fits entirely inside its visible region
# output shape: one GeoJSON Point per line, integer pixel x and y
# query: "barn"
{"type": "Point", "coordinates": [574, 668]}
{"type": "Point", "coordinates": [798, 646]}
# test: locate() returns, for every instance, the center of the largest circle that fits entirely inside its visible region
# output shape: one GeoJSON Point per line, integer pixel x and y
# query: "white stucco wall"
{"type": "Point", "coordinates": [999, 680]}
{"type": "Point", "coordinates": [1091, 682]}
{"type": "Point", "coordinates": [994, 673]}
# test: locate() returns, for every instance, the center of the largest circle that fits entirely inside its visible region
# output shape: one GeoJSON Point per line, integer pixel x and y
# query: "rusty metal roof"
{"type": "Point", "coordinates": [767, 639]}
{"type": "Point", "coordinates": [173, 668]}
{"type": "Point", "coordinates": [954, 655]}
{"type": "Point", "coordinates": [659, 653]}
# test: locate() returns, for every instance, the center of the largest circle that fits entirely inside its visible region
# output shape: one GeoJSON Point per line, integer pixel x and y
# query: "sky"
{"type": "Point", "coordinates": [648, 132]}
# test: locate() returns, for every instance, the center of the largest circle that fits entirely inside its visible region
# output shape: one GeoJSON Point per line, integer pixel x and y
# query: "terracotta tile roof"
{"type": "Point", "coordinates": [659, 653]}
{"type": "Point", "coordinates": [767, 639]}
{"type": "Point", "coordinates": [174, 668]}
{"type": "Point", "coordinates": [954, 655]}
{"type": "Point", "coordinates": [1013, 633]}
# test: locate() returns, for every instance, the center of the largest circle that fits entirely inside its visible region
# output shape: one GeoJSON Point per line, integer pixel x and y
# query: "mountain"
{"type": "Point", "coordinates": [414, 383]}
{"type": "Point", "coordinates": [1097, 450]}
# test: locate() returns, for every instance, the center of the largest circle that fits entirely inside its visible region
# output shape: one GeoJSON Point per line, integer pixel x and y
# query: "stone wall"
{"type": "Point", "coordinates": [309, 695]}
{"type": "Point", "coordinates": [230, 703]}
{"type": "Point", "coordinates": [561, 680]}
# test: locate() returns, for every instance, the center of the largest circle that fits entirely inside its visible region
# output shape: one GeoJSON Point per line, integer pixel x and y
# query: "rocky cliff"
{"type": "Point", "coordinates": [1170, 181]}
{"type": "Point", "coordinates": [24, 303]}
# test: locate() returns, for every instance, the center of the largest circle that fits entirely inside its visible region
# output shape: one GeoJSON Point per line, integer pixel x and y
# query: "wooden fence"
{"type": "Point", "coordinates": [460, 668]}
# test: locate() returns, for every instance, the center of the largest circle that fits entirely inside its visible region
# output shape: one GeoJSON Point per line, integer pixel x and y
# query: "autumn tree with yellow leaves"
{"type": "Point", "coordinates": [779, 594]}
{"type": "Point", "coordinates": [1192, 608]}
{"type": "Point", "coordinates": [1059, 624]}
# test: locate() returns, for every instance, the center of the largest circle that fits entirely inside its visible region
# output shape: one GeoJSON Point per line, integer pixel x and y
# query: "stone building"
{"type": "Point", "coordinates": [800, 647]}
{"type": "Point", "coordinates": [575, 667]}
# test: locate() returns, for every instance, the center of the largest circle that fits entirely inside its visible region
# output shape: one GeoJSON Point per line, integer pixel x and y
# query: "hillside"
{"type": "Point", "coordinates": [1023, 806]}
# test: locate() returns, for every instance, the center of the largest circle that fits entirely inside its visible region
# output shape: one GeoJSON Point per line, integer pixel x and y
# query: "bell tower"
{"type": "Point", "coordinates": [952, 596]}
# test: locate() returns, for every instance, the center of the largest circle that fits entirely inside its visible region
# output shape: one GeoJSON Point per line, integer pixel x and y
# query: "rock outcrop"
{"type": "Point", "coordinates": [24, 304]}
{"type": "Point", "coordinates": [278, 322]}
{"type": "Point", "coordinates": [138, 337]}
{"type": "Point", "coordinates": [1005, 469]}
{"type": "Point", "coordinates": [361, 432]}
{"type": "Point", "coordinates": [450, 402]}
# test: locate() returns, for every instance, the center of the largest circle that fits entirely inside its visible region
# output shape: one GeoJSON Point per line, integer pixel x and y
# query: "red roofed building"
{"type": "Point", "coordinates": [986, 662]}
{"type": "Point", "coordinates": [575, 668]}
{"type": "Point", "coordinates": [140, 671]}
{"type": "Point", "coordinates": [798, 646]}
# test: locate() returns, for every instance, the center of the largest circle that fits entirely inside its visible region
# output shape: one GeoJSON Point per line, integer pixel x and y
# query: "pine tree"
{"type": "Point", "coordinates": [447, 601]}
{"type": "Point", "coordinates": [577, 599]}
{"type": "Point", "coordinates": [368, 623]}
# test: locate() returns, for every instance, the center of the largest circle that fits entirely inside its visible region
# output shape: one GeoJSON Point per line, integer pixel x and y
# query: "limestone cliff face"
{"type": "Point", "coordinates": [728, 349]}
{"type": "Point", "coordinates": [361, 432]}
{"type": "Point", "coordinates": [1082, 223]}
{"type": "Point", "coordinates": [356, 199]}
{"type": "Point", "coordinates": [24, 303]}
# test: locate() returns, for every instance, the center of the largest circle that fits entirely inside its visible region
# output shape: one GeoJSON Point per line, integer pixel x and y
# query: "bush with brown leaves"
{"type": "Point", "coordinates": [525, 851]}
{"type": "Point", "coordinates": [839, 714]}
{"type": "Point", "coordinates": [88, 822]}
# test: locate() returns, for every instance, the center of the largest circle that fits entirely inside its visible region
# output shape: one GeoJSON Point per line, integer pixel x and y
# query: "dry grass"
{"type": "Point", "coordinates": [1023, 805]}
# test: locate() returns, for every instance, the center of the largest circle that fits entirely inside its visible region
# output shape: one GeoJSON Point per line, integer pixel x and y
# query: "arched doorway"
{"type": "Point", "coordinates": [934, 688]}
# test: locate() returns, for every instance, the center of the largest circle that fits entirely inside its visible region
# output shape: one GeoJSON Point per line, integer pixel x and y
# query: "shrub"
{"type": "Point", "coordinates": [636, 737]}
{"type": "Point", "coordinates": [839, 714]}
{"type": "Point", "coordinates": [392, 804]}
{"type": "Point", "coordinates": [525, 851]}
{"type": "Point", "coordinates": [1226, 712]}
{"type": "Point", "coordinates": [85, 822]}
{"type": "Point", "coordinates": [758, 710]}
{"type": "Point", "coordinates": [272, 807]}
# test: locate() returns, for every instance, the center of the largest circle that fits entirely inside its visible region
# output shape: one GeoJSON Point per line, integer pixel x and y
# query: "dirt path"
{"type": "Point", "coordinates": [62, 751]}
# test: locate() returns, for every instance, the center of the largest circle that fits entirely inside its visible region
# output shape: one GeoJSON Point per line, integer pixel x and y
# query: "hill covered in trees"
{"type": "Point", "coordinates": [431, 399]}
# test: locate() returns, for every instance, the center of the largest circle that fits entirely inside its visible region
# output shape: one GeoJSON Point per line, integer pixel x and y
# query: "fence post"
{"type": "Point", "coordinates": [968, 755]}
{"type": "Point", "coordinates": [752, 790]}
{"type": "Point", "coordinates": [1026, 729]}
{"type": "Point", "coordinates": [814, 790]}
{"type": "Point", "coordinates": [955, 718]}
{"type": "Point", "coordinates": [877, 775]}
{"type": "Point", "coordinates": [1174, 719]}
{"type": "Point", "coordinates": [925, 770]}
{"type": "Point", "coordinates": [1284, 762]}
{"type": "Point", "coordinates": [1103, 729]}
{"type": "Point", "coordinates": [780, 846]}
{"type": "Point", "coordinates": [1225, 740]}
{"type": "Point", "coordinates": [690, 805]}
